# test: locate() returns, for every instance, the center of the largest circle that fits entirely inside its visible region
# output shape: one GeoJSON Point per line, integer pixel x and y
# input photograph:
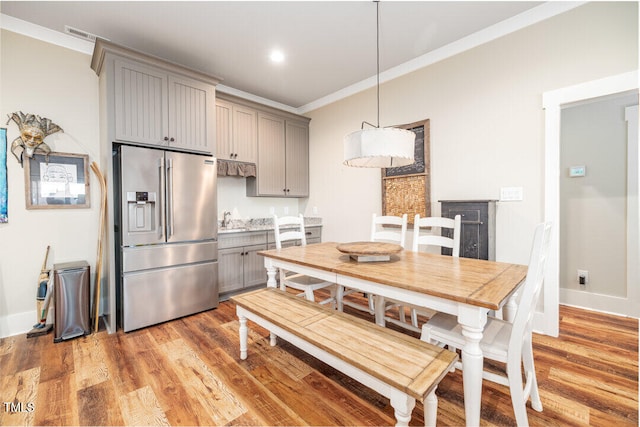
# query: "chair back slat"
{"type": "Point", "coordinates": [295, 233]}
{"type": "Point", "coordinates": [437, 239]}
{"type": "Point", "coordinates": [396, 235]}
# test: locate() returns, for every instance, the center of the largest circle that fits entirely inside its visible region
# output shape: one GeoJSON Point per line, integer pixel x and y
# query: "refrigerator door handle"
{"type": "Point", "coordinates": [169, 198]}
{"type": "Point", "coordinates": [161, 216]}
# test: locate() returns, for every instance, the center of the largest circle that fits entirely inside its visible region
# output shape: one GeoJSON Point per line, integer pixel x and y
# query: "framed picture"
{"type": "Point", "coordinates": [57, 181]}
{"type": "Point", "coordinates": [407, 189]}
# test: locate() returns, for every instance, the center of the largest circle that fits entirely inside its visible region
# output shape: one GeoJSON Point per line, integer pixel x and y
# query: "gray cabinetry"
{"type": "Point", "coordinates": [236, 132]}
{"type": "Point", "coordinates": [477, 235]}
{"type": "Point", "coordinates": [283, 158]}
{"type": "Point", "coordinates": [239, 265]}
{"type": "Point", "coordinates": [156, 108]}
{"type": "Point", "coordinates": [313, 235]}
{"type": "Point", "coordinates": [149, 101]}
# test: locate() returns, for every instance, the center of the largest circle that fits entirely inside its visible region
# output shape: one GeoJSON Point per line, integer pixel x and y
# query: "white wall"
{"type": "Point", "coordinates": [232, 197]}
{"type": "Point", "coordinates": [487, 122]}
{"type": "Point", "coordinates": [57, 83]}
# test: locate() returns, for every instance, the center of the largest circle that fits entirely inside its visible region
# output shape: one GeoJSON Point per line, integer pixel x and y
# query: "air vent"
{"type": "Point", "coordinates": [81, 34]}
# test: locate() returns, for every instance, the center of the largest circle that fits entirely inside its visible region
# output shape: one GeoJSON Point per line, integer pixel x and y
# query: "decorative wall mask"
{"type": "Point", "coordinates": [33, 130]}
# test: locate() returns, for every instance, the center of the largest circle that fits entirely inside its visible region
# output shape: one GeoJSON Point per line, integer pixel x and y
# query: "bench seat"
{"type": "Point", "coordinates": [394, 364]}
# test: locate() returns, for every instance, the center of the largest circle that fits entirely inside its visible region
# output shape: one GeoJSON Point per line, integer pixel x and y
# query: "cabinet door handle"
{"type": "Point", "coordinates": [166, 138]}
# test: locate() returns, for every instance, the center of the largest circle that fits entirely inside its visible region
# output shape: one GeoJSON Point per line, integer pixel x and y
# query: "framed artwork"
{"type": "Point", "coordinates": [4, 190]}
{"type": "Point", "coordinates": [57, 181]}
{"type": "Point", "coordinates": [407, 189]}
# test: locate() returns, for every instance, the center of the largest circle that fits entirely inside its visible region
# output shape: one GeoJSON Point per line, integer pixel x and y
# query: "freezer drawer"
{"type": "Point", "coordinates": [154, 296]}
{"type": "Point", "coordinates": [158, 256]}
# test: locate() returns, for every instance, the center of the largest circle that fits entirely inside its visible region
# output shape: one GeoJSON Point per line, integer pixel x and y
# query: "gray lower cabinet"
{"type": "Point", "coordinates": [313, 235]}
{"type": "Point", "coordinates": [477, 234]}
{"type": "Point", "coordinates": [239, 265]}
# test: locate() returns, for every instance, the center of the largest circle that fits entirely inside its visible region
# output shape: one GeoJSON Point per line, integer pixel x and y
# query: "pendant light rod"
{"type": "Point", "coordinates": [379, 147]}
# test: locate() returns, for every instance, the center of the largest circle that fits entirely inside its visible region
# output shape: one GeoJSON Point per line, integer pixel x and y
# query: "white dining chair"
{"type": "Point", "coordinates": [386, 228]}
{"type": "Point", "coordinates": [503, 341]}
{"type": "Point", "coordinates": [289, 230]}
{"type": "Point", "coordinates": [434, 227]}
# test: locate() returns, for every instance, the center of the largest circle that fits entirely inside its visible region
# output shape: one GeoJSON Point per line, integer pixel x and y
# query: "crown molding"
{"type": "Point", "coordinates": [508, 26]}
{"type": "Point", "coordinates": [523, 20]}
{"type": "Point", "coordinates": [45, 34]}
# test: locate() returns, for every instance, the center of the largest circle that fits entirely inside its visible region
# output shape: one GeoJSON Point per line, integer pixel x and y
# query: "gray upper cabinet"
{"type": "Point", "coordinates": [283, 157]}
{"type": "Point", "coordinates": [297, 158]}
{"type": "Point", "coordinates": [237, 132]}
{"type": "Point", "coordinates": [149, 101]}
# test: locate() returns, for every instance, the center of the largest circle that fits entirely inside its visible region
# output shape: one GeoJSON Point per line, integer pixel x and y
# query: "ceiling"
{"type": "Point", "coordinates": [329, 46]}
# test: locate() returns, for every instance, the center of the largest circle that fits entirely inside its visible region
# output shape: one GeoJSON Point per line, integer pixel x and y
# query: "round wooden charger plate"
{"type": "Point", "coordinates": [369, 248]}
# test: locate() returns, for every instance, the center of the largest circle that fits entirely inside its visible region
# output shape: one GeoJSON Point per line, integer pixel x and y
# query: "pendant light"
{"type": "Point", "coordinates": [379, 147]}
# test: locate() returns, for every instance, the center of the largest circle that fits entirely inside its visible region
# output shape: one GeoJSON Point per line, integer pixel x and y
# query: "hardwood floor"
{"type": "Point", "coordinates": [188, 372]}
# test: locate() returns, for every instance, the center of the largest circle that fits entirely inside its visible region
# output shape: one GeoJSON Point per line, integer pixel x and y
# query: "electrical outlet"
{"type": "Point", "coordinates": [583, 277]}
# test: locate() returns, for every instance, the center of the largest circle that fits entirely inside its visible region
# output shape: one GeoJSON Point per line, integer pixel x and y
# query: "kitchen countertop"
{"type": "Point", "coordinates": [260, 224]}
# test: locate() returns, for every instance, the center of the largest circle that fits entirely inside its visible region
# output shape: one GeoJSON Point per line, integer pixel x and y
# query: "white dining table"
{"type": "Point", "coordinates": [467, 288]}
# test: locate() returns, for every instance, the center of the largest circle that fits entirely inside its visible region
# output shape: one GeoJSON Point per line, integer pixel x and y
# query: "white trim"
{"type": "Point", "coordinates": [45, 34]}
{"type": "Point", "coordinates": [532, 16]}
{"type": "Point", "coordinates": [21, 323]}
{"type": "Point", "coordinates": [598, 302]}
{"type": "Point", "coordinates": [553, 101]}
{"type": "Point", "coordinates": [250, 97]}
{"type": "Point", "coordinates": [633, 212]}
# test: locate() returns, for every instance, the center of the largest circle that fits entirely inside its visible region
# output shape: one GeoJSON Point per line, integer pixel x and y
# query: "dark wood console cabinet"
{"type": "Point", "coordinates": [478, 229]}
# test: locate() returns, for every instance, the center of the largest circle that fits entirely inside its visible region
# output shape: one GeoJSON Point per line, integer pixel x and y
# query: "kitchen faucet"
{"type": "Point", "coordinates": [227, 219]}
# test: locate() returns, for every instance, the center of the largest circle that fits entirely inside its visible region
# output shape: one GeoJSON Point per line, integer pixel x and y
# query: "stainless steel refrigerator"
{"type": "Point", "coordinates": [166, 234]}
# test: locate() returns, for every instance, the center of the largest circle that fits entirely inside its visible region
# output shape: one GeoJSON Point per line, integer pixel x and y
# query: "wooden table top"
{"type": "Point", "coordinates": [475, 282]}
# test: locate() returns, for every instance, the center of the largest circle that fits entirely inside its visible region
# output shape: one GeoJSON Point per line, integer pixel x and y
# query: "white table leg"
{"type": "Point", "coordinates": [271, 273]}
{"type": "Point", "coordinates": [510, 308]}
{"type": "Point", "coordinates": [378, 307]}
{"type": "Point", "coordinates": [243, 336]}
{"type": "Point", "coordinates": [472, 322]}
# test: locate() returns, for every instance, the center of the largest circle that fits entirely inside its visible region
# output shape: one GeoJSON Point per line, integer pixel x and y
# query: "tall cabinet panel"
{"type": "Point", "coordinates": [191, 114]}
{"type": "Point", "coordinates": [224, 130]}
{"type": "Point", "coordinates": [271, 156]}
{"type": "Point", "coordinates": [245, 133]}
{"type": "Point", "coordinates": [236, 132]}
{"type": "Point", "coordinates": [297, 159]}
{"type": "Point", "coordinates": [283, 157]}
{"type": "Point", "coordinates": [141, 102]}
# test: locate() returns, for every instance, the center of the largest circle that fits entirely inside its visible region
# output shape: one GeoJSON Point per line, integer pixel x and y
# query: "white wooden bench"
{"type": "Point", "coordinates": [396, 365]}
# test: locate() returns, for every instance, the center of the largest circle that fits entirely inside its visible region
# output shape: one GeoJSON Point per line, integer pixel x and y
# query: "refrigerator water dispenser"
{"type": "Point", "coordinates": [142, 211]}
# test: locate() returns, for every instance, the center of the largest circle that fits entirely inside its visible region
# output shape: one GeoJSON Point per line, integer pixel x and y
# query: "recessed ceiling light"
{"type": "Point", "coordinates": [276, 56]}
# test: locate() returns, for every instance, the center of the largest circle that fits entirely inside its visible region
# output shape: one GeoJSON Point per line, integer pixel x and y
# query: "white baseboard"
{"type": "Point", "coordinates": [21, 323]}
{"type": "Point", "coordinates": [620, 306]}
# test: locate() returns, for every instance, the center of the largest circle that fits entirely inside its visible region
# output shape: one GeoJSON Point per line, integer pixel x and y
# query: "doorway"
{"type": "Point", "coordinates": [554, 102]}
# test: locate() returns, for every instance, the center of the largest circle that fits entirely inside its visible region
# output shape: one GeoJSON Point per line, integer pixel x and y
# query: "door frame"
{"type": "Point", "coordinates": [547, 321]}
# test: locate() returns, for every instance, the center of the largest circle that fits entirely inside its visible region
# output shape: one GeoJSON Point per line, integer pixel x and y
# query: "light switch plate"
{"type": "Point", "coordinates": [511, 194]}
